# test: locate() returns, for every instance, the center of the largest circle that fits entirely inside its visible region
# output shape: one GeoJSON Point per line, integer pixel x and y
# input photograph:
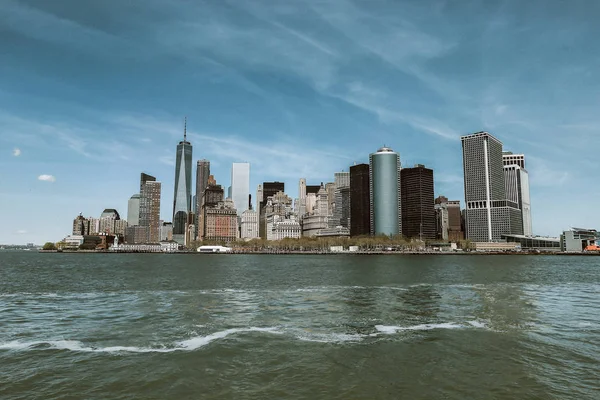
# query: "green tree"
{"type": "Point", "coordinates": [49, 246]}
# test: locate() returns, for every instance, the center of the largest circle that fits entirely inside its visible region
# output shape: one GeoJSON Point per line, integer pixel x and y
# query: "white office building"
{"type": "Point", "coordinates": [516, 180]}
{"type": "Point", "coordinates": [489, 214]}
{"type": "Point", "coordinates": [249, 225]}
{"type": "Point", "coordinates": [240, 186]}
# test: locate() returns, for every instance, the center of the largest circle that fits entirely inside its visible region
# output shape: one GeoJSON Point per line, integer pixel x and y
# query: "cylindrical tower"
{"type": "Point", "coordinates": [384, 171]}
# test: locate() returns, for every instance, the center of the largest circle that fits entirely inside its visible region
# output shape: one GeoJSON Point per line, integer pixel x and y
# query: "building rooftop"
{"type": "Point", "coordinates": [110, 213]}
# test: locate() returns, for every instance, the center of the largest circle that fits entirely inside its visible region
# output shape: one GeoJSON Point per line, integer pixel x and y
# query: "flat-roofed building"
{"type": "Point", "coordinates": [537, 243]}
{"type": "Point", "coordinates": [576, 240]}
{"type": "Point", "coordinates": [489, 214]}
{"type": "Point", "coordinates": [221, 222]}
{"type": "Point", "coordinates": [360, 203]}
{"type": "Point", "coordinates": [418, 212]}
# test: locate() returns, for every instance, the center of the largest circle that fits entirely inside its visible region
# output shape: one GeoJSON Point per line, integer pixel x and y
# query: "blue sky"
{"type": "Point", "coordinates": [93, 93]}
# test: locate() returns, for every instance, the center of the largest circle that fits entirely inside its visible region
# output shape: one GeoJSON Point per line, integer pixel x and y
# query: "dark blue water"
{"type": "Point", "coordinates": [296, 327]}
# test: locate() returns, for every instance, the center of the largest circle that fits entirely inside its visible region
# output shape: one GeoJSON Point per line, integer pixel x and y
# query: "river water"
{"type": "Point", "coordinates": [124, 326]}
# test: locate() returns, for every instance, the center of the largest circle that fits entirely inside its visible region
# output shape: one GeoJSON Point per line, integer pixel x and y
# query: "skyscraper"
{"type": "Point", "coordinates": [384, 177]}
{"type": "Point", "coordinates": [302, 197]}
{"type": "Point", "coordinates": [516, 180]}
{"type": "Point", "coordinates": [418, 212]}
{"type": "Point", "coordinates": [489, 214]}
{"type": "Point", "coordinates": [202, 174]}
{"type": "Point", "coordinates": [133, 210]}
{"type": "Point", "coordinates": [341, 200]}
{"type": "Point", "coordinates": [259, 197]}
{"type": "Point", "coordinates": [150, 207]}
{"type": "Point", "coordinates": [240, 186]}
{"type": "Point", "coordinates": [360, 203]}
{"type": "Point", "coordinates": [182, 195]}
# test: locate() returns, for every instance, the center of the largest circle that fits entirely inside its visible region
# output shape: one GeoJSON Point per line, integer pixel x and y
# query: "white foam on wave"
{"type": "Point", "coordinates": [388, 330]}
{"type": "Point", "coordinates": [200, 341]}
{"type": "Point", "coordinates": [477, 324]}
{"type": "Point", "coordinates": [185, 345]}
{"type": "Point", "coordinates": [327, 337]}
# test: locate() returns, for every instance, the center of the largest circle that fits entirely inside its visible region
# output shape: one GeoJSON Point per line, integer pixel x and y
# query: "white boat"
{"type": "Point", "coordinates": [214, 249]}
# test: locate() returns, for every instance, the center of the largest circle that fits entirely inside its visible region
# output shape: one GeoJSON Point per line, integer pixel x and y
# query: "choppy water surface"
{"type": "Point", "coordinates": [298, 327]}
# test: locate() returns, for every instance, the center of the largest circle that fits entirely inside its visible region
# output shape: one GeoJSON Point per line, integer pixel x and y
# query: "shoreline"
{"type": "Point", "coordinates": [329, 253]}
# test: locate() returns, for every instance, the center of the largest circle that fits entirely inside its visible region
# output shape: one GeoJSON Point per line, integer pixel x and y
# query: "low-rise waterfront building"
{"type": "Point", "coordinates": [535, 243]}
{"type": "Point", "coordinates": [338, 231]}
{"type": "Point", "coordinates": [72, 242]}
{"type": "Point", "coordinates": [161, 247]}
{"type": "Point", "coordinates": [577, 239]}
{"type": "Point", "coordinates": [496, 246]}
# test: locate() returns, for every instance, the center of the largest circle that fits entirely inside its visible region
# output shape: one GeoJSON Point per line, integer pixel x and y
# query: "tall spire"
{"type": "Point", "coordinates": [184, 128]}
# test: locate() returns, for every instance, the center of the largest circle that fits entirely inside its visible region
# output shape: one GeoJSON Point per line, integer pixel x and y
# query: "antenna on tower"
{"type": "Point", "coordinates": [184, 128]}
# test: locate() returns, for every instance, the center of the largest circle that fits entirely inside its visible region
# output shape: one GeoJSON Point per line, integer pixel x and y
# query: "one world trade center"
{"type": "Point", "coordinates": [182, 199]}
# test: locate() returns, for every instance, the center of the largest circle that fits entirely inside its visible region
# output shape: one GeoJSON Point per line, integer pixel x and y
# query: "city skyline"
{"type": "Point", "coordinates": [92, 112]}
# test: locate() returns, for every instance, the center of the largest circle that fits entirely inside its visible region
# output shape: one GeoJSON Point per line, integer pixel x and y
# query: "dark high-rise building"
{"type": "Point", "coordinates": [418, 212]}
{"type": "Point", "coordinates": [313, 189]}
{"type": "Point", "coordinates": [182, 195]}
{"type": "Point", "coordinates": [213, 194]}
{"type": "Point", "coordinates": [360, 203]}
{"type": "Point", "coordinates": [269, 189]}
{"type": "Point", "coordinates": [202, 174]}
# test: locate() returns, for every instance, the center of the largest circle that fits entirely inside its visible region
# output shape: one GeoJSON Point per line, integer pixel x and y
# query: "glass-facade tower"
{"type": "Point", "coordinates": [182, 196]}
{"type": "Point", "coordinates": [384, 177]}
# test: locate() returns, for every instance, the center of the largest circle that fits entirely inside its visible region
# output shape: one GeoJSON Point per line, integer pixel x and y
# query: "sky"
{"type": "Point", "coordinates": [94, 93]}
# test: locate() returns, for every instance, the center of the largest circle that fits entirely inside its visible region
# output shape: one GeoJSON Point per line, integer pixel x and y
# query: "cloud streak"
{"type": "Point", "coordinates": [16, 152]}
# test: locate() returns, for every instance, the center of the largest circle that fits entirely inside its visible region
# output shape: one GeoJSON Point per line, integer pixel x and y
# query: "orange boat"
{"type": "Point", "coordinates": [592, 247]}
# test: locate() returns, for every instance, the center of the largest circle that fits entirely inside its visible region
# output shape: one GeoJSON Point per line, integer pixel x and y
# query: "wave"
{"type": "Point", "coordinates": [327, 337]}
{"type": "Point", "coordinates": [185, 345]}
{"type": "Point", "coordinates": [197, 342]}
{"type": "Point", "coordinates": [389, 330]}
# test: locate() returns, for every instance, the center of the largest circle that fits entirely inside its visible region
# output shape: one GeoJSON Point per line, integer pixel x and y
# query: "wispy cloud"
{"type": "Point", "coordinates": [16, 152]}
{"type": "Point", "coordinates": [21, 232]}
{"type": "Point", "coordinates": [279, 159]}
{"type": "Point", "coordinates": [379, 103]}
{"type": "Point", "coordinates": [47, 178]}
{"type": "Point", "coordinates": [41, 25]}
{"type": "Point", "coordinates": [167, 160]}
{"type": "Point", "coordinates": [546, 174]}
